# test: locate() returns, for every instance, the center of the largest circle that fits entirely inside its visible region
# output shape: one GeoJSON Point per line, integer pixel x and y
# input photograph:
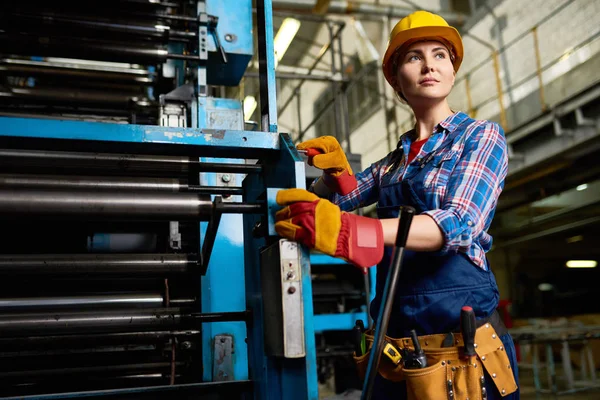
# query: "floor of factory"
{"type": "Point", "coordinates": [327, 391]}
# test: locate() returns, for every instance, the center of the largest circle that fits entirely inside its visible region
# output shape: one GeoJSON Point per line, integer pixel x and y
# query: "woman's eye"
{"type": "Point", "coordinates": [440, 55]}
{"type": "Point", "coordinates": [413, 58]}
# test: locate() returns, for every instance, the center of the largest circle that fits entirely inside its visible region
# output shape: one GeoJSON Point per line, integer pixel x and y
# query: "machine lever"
{"type": "Point", "coordinates": [387, 299]}
{"type": "Point", "coordinates": [218, 43]}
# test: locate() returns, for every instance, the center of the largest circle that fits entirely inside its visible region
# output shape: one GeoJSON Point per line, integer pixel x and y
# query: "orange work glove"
{"type": "Point", "coordinates": [319, 224]}
{"type": "Point", "coordinates": [326, 153]}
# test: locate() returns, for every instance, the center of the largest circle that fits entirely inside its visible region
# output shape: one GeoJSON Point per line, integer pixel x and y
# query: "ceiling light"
{"type": "Point", "coordinates": [581, 187]}
{"type": "Point", "coordinates": [249, 107]}
{"type": "Point", "coordinates": [582, 264]}
{"type": "Point", "coordinates": [284, 37]}
{"type": "Point", "coordinates": [545, 287]}
{"type": "Point", "coordinates": [575, 239]}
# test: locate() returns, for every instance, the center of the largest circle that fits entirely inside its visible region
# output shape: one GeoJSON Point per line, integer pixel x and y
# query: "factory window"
{"type": "Point", "coordinates": [363, 98]}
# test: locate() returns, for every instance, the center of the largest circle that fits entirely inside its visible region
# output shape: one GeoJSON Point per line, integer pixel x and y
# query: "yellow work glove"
{"type": "Point", "coordinates": [319, 224]}
{"type": "Point", "coordinates": [326, 153]}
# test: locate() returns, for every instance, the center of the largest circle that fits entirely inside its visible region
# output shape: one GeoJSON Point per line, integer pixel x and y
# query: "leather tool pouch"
{"type": "Point", "coordinates": [448, 374]}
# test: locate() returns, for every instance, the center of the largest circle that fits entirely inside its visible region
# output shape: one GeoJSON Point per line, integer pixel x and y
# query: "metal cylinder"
{"type": "Point", "coordinates": [123, 163]}
{"type": "Point", "coordinates": [98, 322]}
{"type": "Point", "coordinates": [145, 300]}
{"type": "Point", "coordinates": [85, 340]}
{"type": "Point", "coordinates": [93, 205]}
{"type": "Point", "coordinates": [43, 324]}
{"type": "Point", "coordinates": [96, 264]}
{"type": "Point", "coordinates": [72, 47]}
{"type": "Point", "coordinates": [92, 183]}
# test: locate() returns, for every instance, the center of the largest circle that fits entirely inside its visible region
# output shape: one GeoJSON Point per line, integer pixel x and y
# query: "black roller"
{"type": "Point", "coordinates": [97, 204]}
{"type": "Point", "coordinates": [51, 323]}
{"type": "Point", "coordinates": [143, 300]}
{"type": "Point", "coordinates": [97, 264]}
{"type": "Point", "coordinates": [31, 181]}
{"type": "Point", "coordinates": [93, 183]}
{"type": "Point", "coordinates": [86, 340]}
{"type": "Point", "coordinates": [123, 163]}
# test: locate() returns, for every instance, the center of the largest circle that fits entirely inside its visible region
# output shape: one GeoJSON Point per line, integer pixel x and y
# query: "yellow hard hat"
{"type": "Point", "coordinates": [421, 25]}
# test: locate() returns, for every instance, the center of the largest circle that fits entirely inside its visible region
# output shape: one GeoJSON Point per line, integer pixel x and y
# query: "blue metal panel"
{"type": "Point", "coordinates": [224, 113]}
{"type": "Point", "coordinates": [337, 322]}
{"type": "Point", "coordinates": [235, 36]}
{"type": "Point", "coordinates": [283, 378]}
{"type": "Point", "coordinates": [110, 132]}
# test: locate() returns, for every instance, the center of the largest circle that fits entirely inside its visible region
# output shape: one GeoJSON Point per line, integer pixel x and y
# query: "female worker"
{"type": "Point", "coordinates": [451, 168]}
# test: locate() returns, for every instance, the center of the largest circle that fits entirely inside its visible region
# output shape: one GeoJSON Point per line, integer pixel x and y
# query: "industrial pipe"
{"type": "Point", "coordinates": [148, 300]}
{"type": "Point", "coordinates": [96, 264]}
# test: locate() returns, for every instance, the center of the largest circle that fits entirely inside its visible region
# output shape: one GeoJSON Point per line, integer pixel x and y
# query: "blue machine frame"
{"type": "Point", "coordinates": [232, 281]}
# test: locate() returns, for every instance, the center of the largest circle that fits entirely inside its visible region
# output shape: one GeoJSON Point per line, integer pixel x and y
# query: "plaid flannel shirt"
{"type": "Point", "coordinates": [462, 193]}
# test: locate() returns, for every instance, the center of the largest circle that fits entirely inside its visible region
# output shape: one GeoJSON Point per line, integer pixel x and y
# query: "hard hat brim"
{"type": "Point", "coordinates": [447, 33]}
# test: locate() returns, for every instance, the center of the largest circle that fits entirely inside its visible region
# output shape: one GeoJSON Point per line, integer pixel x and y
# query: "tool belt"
{"type": "Point", "coordinates": [448, 374]}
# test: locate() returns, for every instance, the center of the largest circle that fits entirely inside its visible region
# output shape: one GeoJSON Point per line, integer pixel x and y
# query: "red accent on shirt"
{"type": "Point", "coordinates": [415, 148]}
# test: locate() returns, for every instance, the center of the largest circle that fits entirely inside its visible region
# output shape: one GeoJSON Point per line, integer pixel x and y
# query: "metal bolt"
{"type": "Point", "coordinates": [493, 375]}
{"type": "Point", "coordinates": [222, 340]}
{"type": "Point", "coordinates": [483, 358]}
{"type": "Point", "coordinates": [292, 290]}
{"type": "Point", "coordinates": [494, 336]}
{"type": "Point", "coordinates": [503, 391]}
{"type": "Point", "coordinates": [228, 37]}
{"type": "Point", "coordinates": [226, 178]}
{"type": "Point", "coordinates": [186, 345]}
{"type": "Point", "coordinates": [487, 325]}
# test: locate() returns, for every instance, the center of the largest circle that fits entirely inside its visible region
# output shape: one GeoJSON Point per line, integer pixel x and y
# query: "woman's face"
{"type": "Point", "coordinates": [425, 72]}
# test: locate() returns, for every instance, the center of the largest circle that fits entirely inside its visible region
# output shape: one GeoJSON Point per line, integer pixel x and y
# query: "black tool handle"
{"type": "Point", "coordinates": [357, 333]}
{"type": "Point", "coordinates": [387, 299]}
{"type": "Point", "coordinates": [468, 328]}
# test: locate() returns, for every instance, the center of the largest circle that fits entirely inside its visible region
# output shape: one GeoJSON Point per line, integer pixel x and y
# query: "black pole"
{"type": "Point", "coordinates": [389, 292]}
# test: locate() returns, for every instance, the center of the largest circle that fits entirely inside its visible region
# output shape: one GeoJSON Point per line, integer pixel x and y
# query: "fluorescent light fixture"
{"type": "Point", "coordinates": [249, 107]}
{"type": "Point", "coordinates": [581, 187]}
{"type": "Point", "coordinates": [575, 239]}
{"type": "Point", "coordinates": [284, 37]}
{"type": "Point", "coordinates": [582, 264]}
{"type": "Point", "coordinates": [545, 287]}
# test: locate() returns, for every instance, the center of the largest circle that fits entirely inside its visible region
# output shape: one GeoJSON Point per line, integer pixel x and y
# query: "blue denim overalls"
{"type": "Point", "coordinates": [432, 288]}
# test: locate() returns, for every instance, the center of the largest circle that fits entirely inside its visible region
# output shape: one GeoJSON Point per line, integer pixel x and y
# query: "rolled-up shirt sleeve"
{"type": "Point", "coordinates": [473, 188]}
{"type": "Point", "coordinates": [366, 192]}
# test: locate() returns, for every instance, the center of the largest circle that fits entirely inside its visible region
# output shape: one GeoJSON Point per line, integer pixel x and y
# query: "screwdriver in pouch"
{"type": "Point", "coordinates": [357, 337]}
{"type": "Point", "coordinates": [468, 327]}
{"type": "Point", "coordinates": [415, 359]}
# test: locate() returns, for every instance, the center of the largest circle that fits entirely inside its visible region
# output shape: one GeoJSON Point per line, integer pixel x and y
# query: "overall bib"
{"type": "Point", "coordinates": [432, 288]}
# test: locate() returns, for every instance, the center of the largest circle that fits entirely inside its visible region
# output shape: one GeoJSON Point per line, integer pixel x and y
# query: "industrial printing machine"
{"type": "Point", "coordinates": [138, 254]}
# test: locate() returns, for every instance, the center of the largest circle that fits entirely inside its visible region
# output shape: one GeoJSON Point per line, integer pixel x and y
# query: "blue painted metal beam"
{"type": "Point", "coordinates": [338, 322]}
{"type": "Point", "coordinates": [243, 144]}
